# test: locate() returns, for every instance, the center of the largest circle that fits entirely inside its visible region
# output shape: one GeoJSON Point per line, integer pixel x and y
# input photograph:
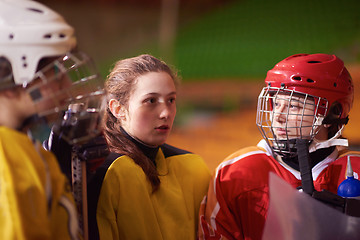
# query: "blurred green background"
{"type": "Point", "coordinates": [213, 39]}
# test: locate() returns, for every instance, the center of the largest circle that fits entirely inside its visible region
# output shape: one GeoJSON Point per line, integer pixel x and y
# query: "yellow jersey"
{"type": "Point", "coordinates": [35, 197]}
{"type": "Point", "coordinates": [127, 208]}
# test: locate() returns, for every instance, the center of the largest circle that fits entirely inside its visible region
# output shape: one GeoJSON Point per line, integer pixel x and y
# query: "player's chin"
{"type": "Point", "coordinates": [160, 140]}
{"type": "Point", "coordinates": [155, 139]}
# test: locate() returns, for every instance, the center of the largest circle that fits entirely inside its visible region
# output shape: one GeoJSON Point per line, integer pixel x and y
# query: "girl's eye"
{"type": "Point", "coordinates": [277, 105]}
{"type": "Point", "coordinates": [294, 106]}
{"type": "Point", "coordinates": [150, 100]}
{"type": "Point", "coordinates": [172, 100]}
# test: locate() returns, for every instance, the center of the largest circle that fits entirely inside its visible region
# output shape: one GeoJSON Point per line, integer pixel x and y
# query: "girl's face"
{"type": "Point", "coordinates": [151, 108]}
{"type": "Point", "coordinates": [292, 117]}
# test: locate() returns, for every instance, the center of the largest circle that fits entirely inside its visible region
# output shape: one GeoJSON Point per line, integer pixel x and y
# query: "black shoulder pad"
{"type": "Point", "coordinates": [93, 191]}
{"type": "Point", "coordinates": [169, 150]}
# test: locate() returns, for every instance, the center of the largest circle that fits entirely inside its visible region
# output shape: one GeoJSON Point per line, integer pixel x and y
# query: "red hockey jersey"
{"type": "Point", "coordinates": [238, 197]}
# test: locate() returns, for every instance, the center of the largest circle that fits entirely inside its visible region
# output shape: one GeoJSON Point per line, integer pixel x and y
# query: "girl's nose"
{"type": "Point", "coordinates": [164, 111]}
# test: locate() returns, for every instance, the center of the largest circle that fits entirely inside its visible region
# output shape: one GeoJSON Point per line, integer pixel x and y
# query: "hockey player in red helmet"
{"type": "Point", "coordinates": [307, 98]}
{"type": "Point", "coordinates": [41, 75]}
{"type": "Point", "coordinates": [321, 86]}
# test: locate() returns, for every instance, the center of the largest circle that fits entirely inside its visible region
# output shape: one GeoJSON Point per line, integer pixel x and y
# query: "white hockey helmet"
{"type": "Point", "coordinates": [37, 52]}
{"type": "Point", "coordinates": [29, 32]}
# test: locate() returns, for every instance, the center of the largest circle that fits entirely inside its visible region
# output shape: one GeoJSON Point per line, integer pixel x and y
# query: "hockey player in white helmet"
{"type": "Point", "coordinates": [41, 76]}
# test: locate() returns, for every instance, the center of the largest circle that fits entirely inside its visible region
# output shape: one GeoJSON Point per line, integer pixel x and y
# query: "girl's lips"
{"type": "Point", "coordinates": [281, 131]}
{"type": "Point", "coordinates": [162, 128]}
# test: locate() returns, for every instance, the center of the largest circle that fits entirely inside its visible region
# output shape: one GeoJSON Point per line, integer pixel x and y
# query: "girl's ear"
{"type": "Point", "coordinates": [117, 109]}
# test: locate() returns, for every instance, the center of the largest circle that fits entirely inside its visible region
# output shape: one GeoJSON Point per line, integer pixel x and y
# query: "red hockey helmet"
{"type": "Point", "coordinates": [318, 81]}
{"type": "Point", "coordinates": [320, 75]}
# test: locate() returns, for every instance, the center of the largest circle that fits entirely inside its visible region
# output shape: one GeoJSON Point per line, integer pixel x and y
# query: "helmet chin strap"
{"type": "Point", "coordinates": [334, 141]}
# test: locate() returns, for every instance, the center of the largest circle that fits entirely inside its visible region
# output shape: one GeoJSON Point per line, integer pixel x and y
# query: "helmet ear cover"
{"type": "Point", "coordinates": [333, 119]}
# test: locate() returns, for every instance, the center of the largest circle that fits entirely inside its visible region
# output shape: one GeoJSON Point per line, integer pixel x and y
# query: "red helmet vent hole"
{"type": "Point", "coordinates": [310, 80]}
{"type": "Point", "coordinates": [335, 85]}
{"type": "Point", "coordinates": [296, 78]}
{"type": "Point", "coordinates": [314, 62]}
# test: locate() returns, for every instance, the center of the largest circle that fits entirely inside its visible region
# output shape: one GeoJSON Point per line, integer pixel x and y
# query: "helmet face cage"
{"type": "Point", "coordinates": [69, 92]}
{"type": "Point", "coordinates": [292, 122]}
